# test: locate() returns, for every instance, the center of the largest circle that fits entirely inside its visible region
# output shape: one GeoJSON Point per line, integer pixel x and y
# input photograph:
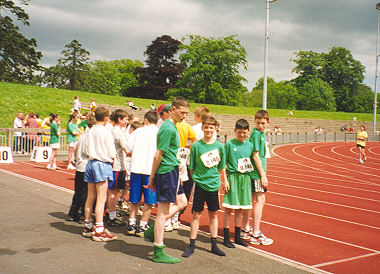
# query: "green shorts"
{"type": "Point", "coordinates": [240, 194]}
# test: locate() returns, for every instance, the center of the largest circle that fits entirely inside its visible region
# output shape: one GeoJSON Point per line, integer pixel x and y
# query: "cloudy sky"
{"type": "Point", "coordinates": [116, 29]}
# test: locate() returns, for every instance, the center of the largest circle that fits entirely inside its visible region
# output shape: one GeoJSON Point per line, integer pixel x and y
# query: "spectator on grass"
{"type": "Point", "coordinates": [153, 107]}
{"type": "Point", "coordinates": [290, 113]}
{"type": "Point", "coordinates": [93, 105]}
{"type": "Point", "coordinates": [318, 130]}
{"type": "Point", "coordinates": [132, 105]}
{"type": "Point", "coordinates": [76, 103]}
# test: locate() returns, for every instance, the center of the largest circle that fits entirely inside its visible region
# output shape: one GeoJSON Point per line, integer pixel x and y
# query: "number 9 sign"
{"type": "Point", "coordinates": [40, 154]}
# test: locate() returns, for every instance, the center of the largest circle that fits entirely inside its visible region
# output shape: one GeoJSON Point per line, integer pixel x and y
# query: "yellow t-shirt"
{"type": "Point", "coordinates": [361, 135]}
{"type": "Point", "coordinates": [185, 132]}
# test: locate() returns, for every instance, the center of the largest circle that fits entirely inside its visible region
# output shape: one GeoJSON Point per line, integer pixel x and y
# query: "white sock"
{"type": "Point", "coordinates": [132, 221]}
{"type": "Point", "coordinates": [143, 223]}
{"type": "Point", "coordinates": [88, 224]}
{"type": "Point", "coordinates": [112, 215]}
{"type": "Point", "coordinates": [158, 244]}
{"type": "Point", "coordinates": [99, 227]}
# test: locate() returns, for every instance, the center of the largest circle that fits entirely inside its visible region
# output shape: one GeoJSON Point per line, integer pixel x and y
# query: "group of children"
{"type": "Point", "coordinates": [167, 165]}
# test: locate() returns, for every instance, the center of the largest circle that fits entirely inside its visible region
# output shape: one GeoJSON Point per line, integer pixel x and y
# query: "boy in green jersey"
{"type": "Point", "coordinates": [164, 179]}
{"type": "Point", "coordinates": [239, 167]}
{"type": "Point", "coordinates": [259, 180]}
{"type": "Point", "coordinates": [208, 169]}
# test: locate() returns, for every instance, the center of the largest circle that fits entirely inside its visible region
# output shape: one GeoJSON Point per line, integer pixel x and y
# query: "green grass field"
{"type": "Point", "coordinates": [24, 98]}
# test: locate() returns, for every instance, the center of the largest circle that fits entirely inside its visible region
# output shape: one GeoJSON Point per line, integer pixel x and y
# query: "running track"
{"type": "Point", "coordinates": [322, 210]}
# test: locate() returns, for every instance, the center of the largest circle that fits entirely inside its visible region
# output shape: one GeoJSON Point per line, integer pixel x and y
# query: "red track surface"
{"type": "Point", "coordinates": [323, 207]}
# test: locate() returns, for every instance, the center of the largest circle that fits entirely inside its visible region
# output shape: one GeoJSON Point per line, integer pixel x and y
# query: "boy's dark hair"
{"type": "Point", "coordinates": [262, 114]}
{"type": "Point", "coordinates": [151, 116]}
{"type": "Point", "coordinates": [91, 121]}
{"type": "Point", "coordinates": [101, 113]}
{"type": "Point", "coordinates": [136, 125]}
{"type": "Point", "coordinates": [180, 102]}
{"type": "Point", "coordinates": [209, 120]}
{"type": "Point", "coordinates": [72, 116]}
{"type": "Point", "coordinates": [242, 124]}
{"type": "Point", "coordinates": [119, 113]}
{"type": "Point", "coordinates": [53, 116]}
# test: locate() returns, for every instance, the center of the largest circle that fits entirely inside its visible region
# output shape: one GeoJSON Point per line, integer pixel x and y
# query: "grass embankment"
{"type": "Point", "coordinates": [24, 98]}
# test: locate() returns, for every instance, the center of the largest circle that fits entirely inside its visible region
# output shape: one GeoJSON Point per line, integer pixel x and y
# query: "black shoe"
{"type": "Point", "coordinates": [116, 222]}
{"type": "Point", "coordinates": [71, 218]}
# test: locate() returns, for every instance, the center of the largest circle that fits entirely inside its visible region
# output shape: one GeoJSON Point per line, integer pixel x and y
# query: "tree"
{"type": "Point", "coordinates": [162, 72]}
{"type": "Point", "coordinates": [73, 61]}
{"type": "Point", "coordinates": [18, 57]}
{"type": "Point", "coordinates": [363, 100]}
{"type": "Point", "coordinates": [212, 70]}
{"type": "Point", "coordinates": [316, 95]}
{"type": "Point", "coordinates": [281, 95]}
{"type": "Point", "coordinates": [338, 68]}
{"type": "Point", "coordinates": [114, 77]}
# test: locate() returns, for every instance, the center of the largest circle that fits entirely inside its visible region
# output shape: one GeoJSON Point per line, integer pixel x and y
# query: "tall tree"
{"type": "Point", "coordinates": [316, 95]}
{"type": "Point", "coordinates": [111, 77]}
{"type": "Point", "coordinates": [18, 56]}
{"type": "Point", "coordinates": [337, 68]}
{"type": "Point", "coordinates": [74, 62]}
{"type": "Point", "coordinates": [163, 70]}
{"type": "Point", "coordinates": [212, 70]}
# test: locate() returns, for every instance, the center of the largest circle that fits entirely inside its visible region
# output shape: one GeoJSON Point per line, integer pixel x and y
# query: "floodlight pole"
{"type": "Point", "coordinates": [266, 55]}
{"type": "Point", "coordinates": [377, 61]}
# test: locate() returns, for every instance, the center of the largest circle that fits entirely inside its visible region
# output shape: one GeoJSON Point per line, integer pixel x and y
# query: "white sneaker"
{"type": "Point", "coordinates": [168, 227]}
{"type": "Point", "coordinates": [361, 161]}
{"type": "Point", "coordinates": [70, 166]}
{"type": "Point", "coordinates": [260, 240]}
{"type": "Point", "coordinates": [176, 225]}
{"type": "Point", "coordinates": [48, 166]}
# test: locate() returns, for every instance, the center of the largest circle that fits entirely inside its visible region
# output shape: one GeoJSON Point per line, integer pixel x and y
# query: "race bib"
{"type": "Point", "coordinates": [211, 158]}
{"type": "Point", "coordinates": [244, 165]}
{"type": "Point", "coordinates": [183, 154]}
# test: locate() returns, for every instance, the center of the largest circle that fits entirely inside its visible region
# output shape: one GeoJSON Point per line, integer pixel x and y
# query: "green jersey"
{"type": "Point", "coordinates": [238, 156]}
{"type": "Point", "coordinates": [168, 142]}
{"type": "Point", "coordinates": [71, 128]}
{"type": "Point", "coordinates": [83, 124]}
{"type": "Point", "coordinates": [54, 139]}
{"type": "Point", "coordinates": [258, 140]}
{"type": "Point", "coordinates": [206, 160]}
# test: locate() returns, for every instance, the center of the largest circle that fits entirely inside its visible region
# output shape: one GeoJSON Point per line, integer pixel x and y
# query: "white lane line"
{"type": "Point", "coordinates": [324, 202]}
{"type": "Point", "coordinates": [323, 216]}
{"type": "Point", "coordinates": [371, 148]}
{"type": "Point", "coordinates": [323, 163]}
{"type": "Point", "coordinates": [37, 181]}
{"type": "Point", "coordinates": [58, 170]}
{"type": "Point", "coordinates": [347, 259]}
{"type": "Point", "coordinates": [320, 183]}
{"type": "Point", "coordinates": [357, 165]}
{"type": "Point", "coordinates": [321, 237]}
{"type": "Point", "coordinates": [324, 191]}
{"type": "Point", "coordinates": [353, 158]}
{"type": "Point", "coordinates": [324, 171]}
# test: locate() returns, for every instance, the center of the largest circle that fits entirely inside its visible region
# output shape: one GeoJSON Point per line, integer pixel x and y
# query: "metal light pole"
{"type": "Point", "coordinates": [377, 60]}
{"type": "Point", "coordinates": [266, 56]}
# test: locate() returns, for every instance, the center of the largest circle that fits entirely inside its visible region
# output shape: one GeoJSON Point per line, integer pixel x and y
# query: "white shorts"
{"type": "Point", "coordinates": [72, 144]}
{"type": "Point", "coordinates": [55, 145]}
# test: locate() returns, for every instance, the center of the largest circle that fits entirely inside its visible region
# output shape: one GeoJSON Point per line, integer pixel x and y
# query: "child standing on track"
{"type": "Point", "coordinates": [80, 187]}
{"type": "Point", "coordinates": [259, 179]}
{"type": "Point", "coordinates": [164, 179]}
{"type": "Point", "coordinates": [101, 151]}
{"type": "Point", "coordinates": [120, 120]}
{"type": "Point", "coordinates": [142, 144]}
{"type": "Point", "coordinates": [362, 137]}
{"type": "Point", "coordinates": [55, 132]}
{"type": "Point", "coordinates": [72, 139]}
{"type": "Point", "coordinates": [239, 166]}
{"type": "Point", "coordinates": [207, 165]}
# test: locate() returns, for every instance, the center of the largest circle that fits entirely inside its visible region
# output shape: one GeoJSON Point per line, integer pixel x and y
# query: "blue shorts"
{"type": "Point", "coordinates": [118, 180]}
{"type": "Point", "coordinates": [168, 186]}
{"type": "Point", "coordinates": [97, 171]}
{"type": "Point", "coordinates": [136, 189]}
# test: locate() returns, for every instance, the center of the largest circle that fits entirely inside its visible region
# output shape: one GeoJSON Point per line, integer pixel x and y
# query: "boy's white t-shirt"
{"type": "Point", "coordinates": [143, 145]}
{"type": "Point", "coordinates": [100, 144]}
{"type": "Point", "coordinates": [119, 163]}
{"type": "Point", "coordinates": [81, 157]}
